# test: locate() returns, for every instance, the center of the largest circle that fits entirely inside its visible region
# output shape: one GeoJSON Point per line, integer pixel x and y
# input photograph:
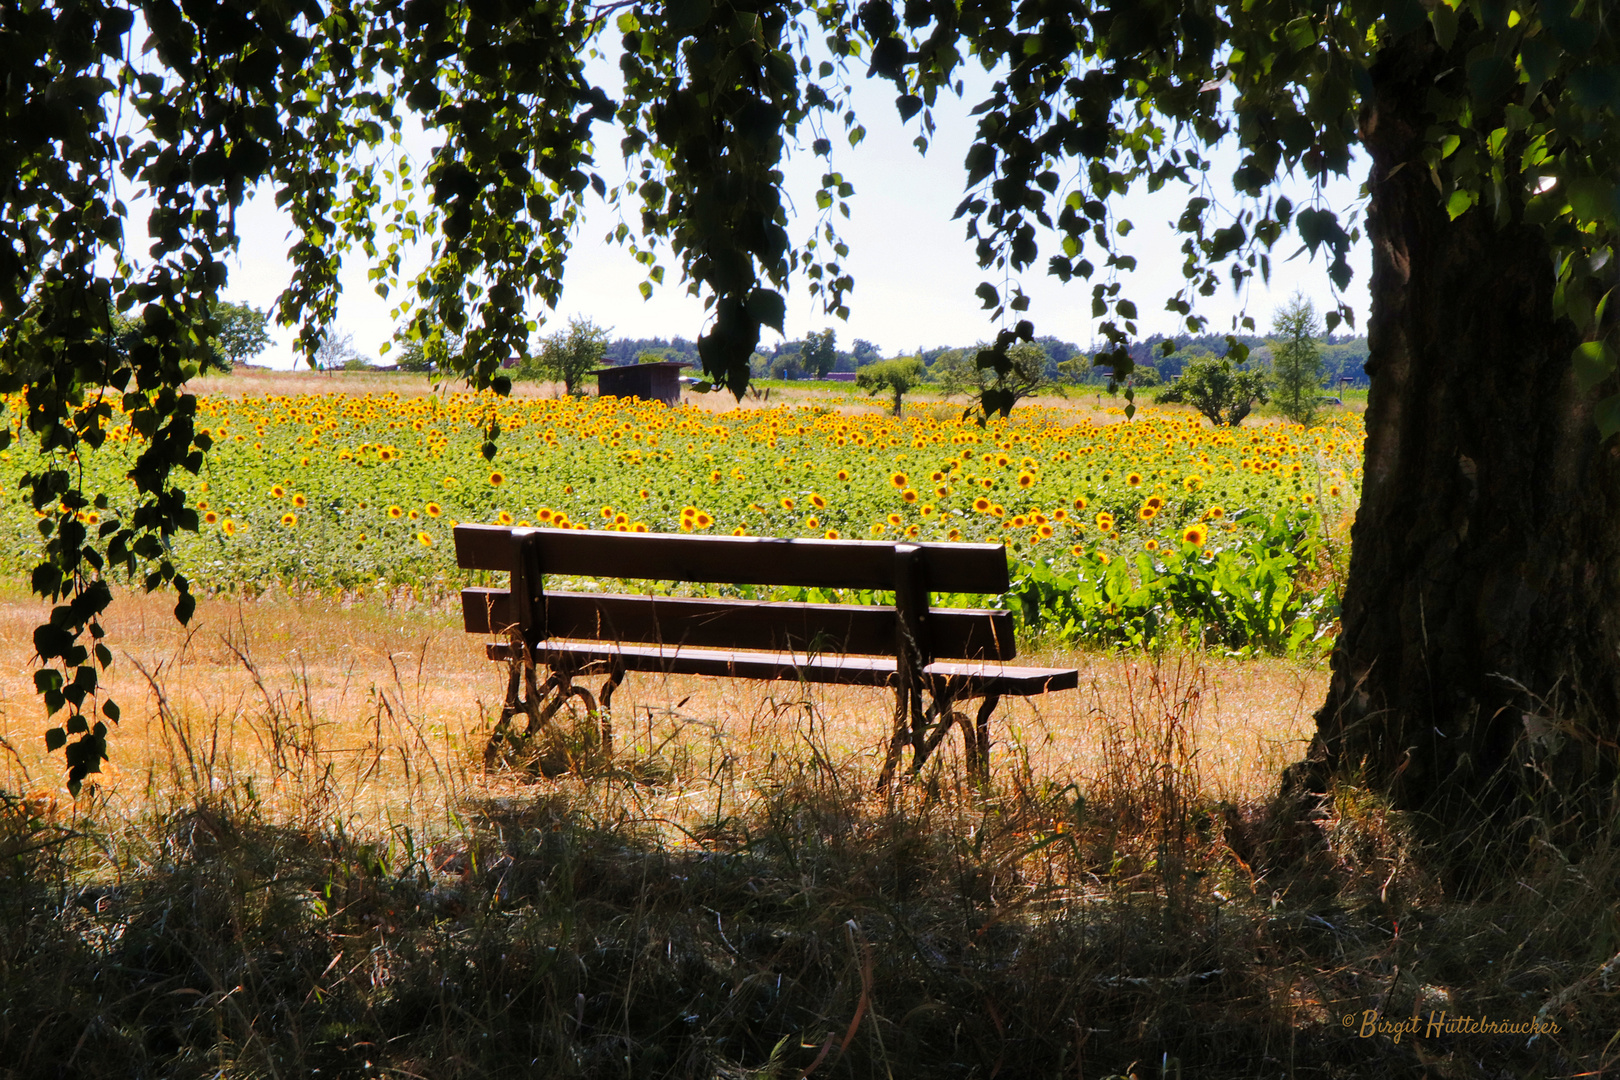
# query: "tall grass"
{"type": "Point", "coordinates": [301, 867]}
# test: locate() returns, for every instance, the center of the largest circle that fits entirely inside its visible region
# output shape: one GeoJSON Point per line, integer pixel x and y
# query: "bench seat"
{"type": "Point", "coordinates": [960, 680]}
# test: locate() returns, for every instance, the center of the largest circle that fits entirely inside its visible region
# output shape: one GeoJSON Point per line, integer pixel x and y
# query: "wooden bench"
{"type": "Point", "coordinates": [951, 655]}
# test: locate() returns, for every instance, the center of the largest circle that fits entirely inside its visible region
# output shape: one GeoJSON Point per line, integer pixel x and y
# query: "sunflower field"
{"type": "Point", "coordinates": [1118, 533]}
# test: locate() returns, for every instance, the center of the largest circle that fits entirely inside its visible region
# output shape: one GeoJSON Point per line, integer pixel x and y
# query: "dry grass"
{"type": "Point", "coordinates": [299, 864]}
{"type": "Point", "coordinates": [363, 679]}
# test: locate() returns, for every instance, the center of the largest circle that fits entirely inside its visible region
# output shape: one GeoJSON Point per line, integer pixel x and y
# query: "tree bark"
{"type": "Point", "coordinates": [1476, 679]}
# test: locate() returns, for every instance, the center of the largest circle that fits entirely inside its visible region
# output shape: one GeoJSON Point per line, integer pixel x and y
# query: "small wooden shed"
{"type": "Point", "coordinates": [651, 382]}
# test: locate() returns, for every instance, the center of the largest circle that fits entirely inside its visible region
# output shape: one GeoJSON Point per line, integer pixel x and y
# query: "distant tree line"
{"type": "Point", "coordinates": [1224, 378]}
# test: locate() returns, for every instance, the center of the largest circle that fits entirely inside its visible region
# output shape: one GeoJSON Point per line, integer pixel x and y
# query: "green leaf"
{"type": "Point", "coordinates": [1592, 199]}
{"type": "Point", "coordinates": [1490, 77]}
{"type": "Point", "coordinates": [1594, 361]}
{"type": "Point", "coordinates": [1460, 203]}
{"type": "Point", "coordinates": [1444, 20]}
{"type": "Point", "coordinates": [686, 14]}
{"type": "Point", "coordinates": [1606, 414]}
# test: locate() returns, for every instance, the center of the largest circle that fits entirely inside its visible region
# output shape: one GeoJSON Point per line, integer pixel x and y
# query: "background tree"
{"type": "Point", "coordinates": [865, 352]}
{"type": "Point", "coordinates": [439, 351]}
{"type": "Point", "coordinates": [336, 350]}
{"type": "Point", "coordinates": [567, 356]}
{"type": "Point", "coordinates": [241, 332]}
{"type": "Point", "coordinates": [1224, 393]}
{"type": "Point", "coordinates": [1296, 359]}
{"type": "Point", "coordinates": [897, 377]}
{"type": "Point", "coordinates": [819, 353]}
{"type": "Point", "coordinates": [1027, 371]}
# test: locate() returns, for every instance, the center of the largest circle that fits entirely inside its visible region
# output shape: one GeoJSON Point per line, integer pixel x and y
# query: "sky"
{"type": "Point", "coordinates": [914, 270]}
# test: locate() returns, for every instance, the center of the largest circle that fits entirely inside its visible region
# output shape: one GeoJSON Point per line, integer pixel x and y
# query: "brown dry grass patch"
{"type": "Point", "coordinates": [298, 863]}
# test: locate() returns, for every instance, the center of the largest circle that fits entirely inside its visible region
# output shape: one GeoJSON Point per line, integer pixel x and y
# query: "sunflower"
{"type": "Point", "coordinates": [1079, 502]}
{"type": "Point", "coordinates": [395, 512]}
{"type": "Point", "coordinates": [954, 534]}
{"type": "Point", "coordinates": [209, 518]}
{"type": "Point", "coordinates": [1045, 531]}
{"type": "Point", "coordinates": [1025, 479]}
{"type": "Point", "coordinates": [787, 504]}
{"type": "Point", "coordinates": [278, 492]}
{"type": "Point", "coordinates": [899, 480]}
{"type": "Point", "coordinates": [1078, 550]}
{"type": "Point", "coordinates": [503, 518]}
{"type": "Point", "coordinates": [714, 477]}
{"type": "Point", "coordinates": [1217, 512]}
{"type": "Point", "coordinates": [909, 495]}
{"type": "Point", "coordinates": [812, 522]}
{"type": "Point", "coordinates": [424, 539]}
{"type": "Point", "coordinates": [832, 534]}
{"type": "Point", "coordinates": [289, 519]}
{"type": "Point", "coordinates": [228, 527]}
{"type": "Point", "coordinates": [817, 501]}
{"type": "Point", "coordinates": [415, 515]}
{"type": "Point", "coordinates": [1334, 491]}
{"type": "Point", "coordinates": [843, 474]}
{"type": "Point", "coordinates": [997, 510]}
{"type": "Point", "coordinates": [1193, 483]}
{"type": "Point", "coordinates": [1195, 535]}
{"type": "Point", "coordinates": [894, 519]}
{"type": "Point", "coordinates": [1134, 479]}
{"type": "Point", "coordinates": [1155, 502]}
{"type": "Point", "coordinates": [738, 531]}
{"type": "Point", "coordinates": [1105, 521]}
{"type": "Point", "coordinates": [433, 509]}
{"type": "Point", "coordinates": [1148, 512]}
{"type": "Point", "coordinates": [496, 479]}
{"type": "Point", "coordinates": [1152, 545]}
{"type": "Point", "coordinates": [982, 505]}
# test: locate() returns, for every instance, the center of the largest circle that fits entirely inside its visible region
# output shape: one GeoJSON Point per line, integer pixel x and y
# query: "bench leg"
{"type": "Point", "coordinates": [979, 756]}
{"type": "Point", "coordinates": [605, 698]}
{"type": "Point", "coordinates": [902, 734]}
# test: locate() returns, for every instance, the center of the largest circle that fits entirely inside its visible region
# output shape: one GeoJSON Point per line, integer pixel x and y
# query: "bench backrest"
{"type": "Point", "coordinates": [910, 571]}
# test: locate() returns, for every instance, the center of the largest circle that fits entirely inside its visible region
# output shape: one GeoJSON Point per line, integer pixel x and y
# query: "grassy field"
{"type": "Point", "coordinates": [298, 865]}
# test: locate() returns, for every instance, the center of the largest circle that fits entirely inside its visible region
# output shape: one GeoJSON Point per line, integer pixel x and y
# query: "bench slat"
{"type": "Point", "coordinates": [962, 680]}
{"type": "Point", "coordinates": [705, 623]}
{"type": "Point", "coordinates": [736, 560]}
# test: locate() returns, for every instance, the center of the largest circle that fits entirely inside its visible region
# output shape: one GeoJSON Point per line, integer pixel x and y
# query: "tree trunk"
{"type": "Point", "coordinates": [1476, 675]}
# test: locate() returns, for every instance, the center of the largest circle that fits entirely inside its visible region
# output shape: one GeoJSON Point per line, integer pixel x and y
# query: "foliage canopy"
{"type": "Point", "coordinates": [1222, 392]}
{"type": "Point", "coordinates": [896, 377]}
